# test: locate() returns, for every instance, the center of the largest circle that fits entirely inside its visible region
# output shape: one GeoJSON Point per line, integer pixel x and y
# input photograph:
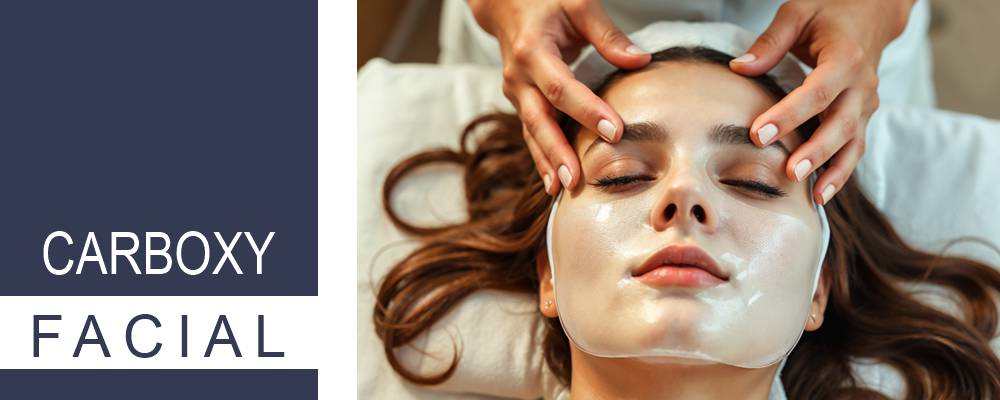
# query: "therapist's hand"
{"type": "Point", "coordinates": [843, 40]}
{"type": "Point", "coordinates": [537, 38]}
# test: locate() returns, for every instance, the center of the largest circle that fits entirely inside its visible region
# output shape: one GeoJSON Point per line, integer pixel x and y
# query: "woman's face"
{"type": "Point", "coordinates": [684, 239]}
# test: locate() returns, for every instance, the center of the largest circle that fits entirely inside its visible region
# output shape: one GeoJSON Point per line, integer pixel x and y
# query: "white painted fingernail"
{"type": "Point", "coordinates": [827, 193]}
{"type": "Point", "coordinates": [606, 129]}
{"type": "Point", "coordinates": [802, 168]}
{"type": "Point", "coordinates": [766, 133]}
{"type": "Point", "coordinates": [547, 180]}
{"type": "Point", "coordinates": [746, 58]}
{"type": "Point", "coordinates": [633, 49]}
{"type": "Point", "coordinates": [565, 177]}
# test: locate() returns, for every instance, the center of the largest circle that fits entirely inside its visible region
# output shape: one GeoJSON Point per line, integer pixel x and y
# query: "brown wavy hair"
{"type": "Point", "coordinates": [870, 312]}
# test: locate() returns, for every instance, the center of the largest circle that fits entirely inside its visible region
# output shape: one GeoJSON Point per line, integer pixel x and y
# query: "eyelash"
{"type": "Point", "coordinates": [613, 182]}
{"type": "Point", "coordinates": [757, 186]}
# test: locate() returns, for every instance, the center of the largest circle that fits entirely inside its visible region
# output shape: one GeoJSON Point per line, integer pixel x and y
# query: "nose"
{"type": "Point", "coordinates": [684, 206]}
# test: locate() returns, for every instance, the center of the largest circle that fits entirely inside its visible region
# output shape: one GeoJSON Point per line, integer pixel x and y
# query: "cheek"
{"type": "Point", "coordinates": [596, 236]}
{"type": "Point", "coordinates": [773, 254]}
{"type": "Point", "coordinates": [582, 240]}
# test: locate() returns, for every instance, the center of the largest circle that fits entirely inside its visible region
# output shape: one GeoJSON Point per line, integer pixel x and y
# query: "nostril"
{"type": "Point", "coordinates": [670, 211]}
{"type": "Point", "coordinates": [699, 213]}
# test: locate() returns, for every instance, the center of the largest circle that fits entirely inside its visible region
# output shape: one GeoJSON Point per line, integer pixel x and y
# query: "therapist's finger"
{"type": "Point", "coordinates": [817, 93]}
{"type": "Point", "coordinates": [842, 123]}
{"type": "Point", "coordinates": [593, 23]}
{"type": "Point", "coordinates": [775, 42]}
{"type": "Point", "coordinates": [542, 165]}
{"type": "Point", "coordinates": [537, 116]}
{"type": "Point", "coordinates": [555, 80]}
{"type": "Point", "coordinates": [839, 170]}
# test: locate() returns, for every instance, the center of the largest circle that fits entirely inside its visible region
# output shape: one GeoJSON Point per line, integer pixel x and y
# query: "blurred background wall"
{"type": "Point", "coordinates": [964, 34]}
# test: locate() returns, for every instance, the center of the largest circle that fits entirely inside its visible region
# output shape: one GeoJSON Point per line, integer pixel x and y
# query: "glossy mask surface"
{"type": "Point", "coordinates": [677, 185]}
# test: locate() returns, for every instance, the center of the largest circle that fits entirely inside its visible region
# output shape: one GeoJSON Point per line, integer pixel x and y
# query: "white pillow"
{"type": "Point", "coordinates": [403, 109]}
{"type": "Point", "coordinates": [934, 173]}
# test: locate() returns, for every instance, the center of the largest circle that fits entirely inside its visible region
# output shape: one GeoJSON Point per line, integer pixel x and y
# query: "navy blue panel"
{"type": "Point", "coordinates": [172, 116]}
{"type": "Point", "coordinates": [160, 384]}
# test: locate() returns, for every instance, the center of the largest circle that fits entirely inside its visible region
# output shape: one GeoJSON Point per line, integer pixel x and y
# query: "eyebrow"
{"type": "Point", "coordinates": [637, 132]}
{"type": "Point", "coordinates": [723, 134]}
{"type": "Point", "coordinates": [732, 134]}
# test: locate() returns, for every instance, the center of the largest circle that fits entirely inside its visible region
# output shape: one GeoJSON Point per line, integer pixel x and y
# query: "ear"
{"type": "Point", "coordinates": [546, 294]}
{"type": "Point", "coordinates": [818, 306]}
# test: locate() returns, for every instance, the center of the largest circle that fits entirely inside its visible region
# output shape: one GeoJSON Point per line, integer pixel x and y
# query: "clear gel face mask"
{"type": "Point", "coordinates": [626, 289]}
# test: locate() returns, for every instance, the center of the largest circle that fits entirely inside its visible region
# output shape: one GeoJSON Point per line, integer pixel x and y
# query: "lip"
{"type": "Point", "coordinates": [680, 265]}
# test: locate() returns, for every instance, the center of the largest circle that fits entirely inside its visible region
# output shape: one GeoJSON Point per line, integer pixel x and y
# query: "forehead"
{"type": "Point", "coordinates": [692, 97]}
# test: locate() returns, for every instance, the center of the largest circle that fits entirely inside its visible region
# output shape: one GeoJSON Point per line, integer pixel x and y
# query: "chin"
{"type": "Point", "coordinates": [680, 359]}
{"type": "Point", "coordinates": [680, 319]}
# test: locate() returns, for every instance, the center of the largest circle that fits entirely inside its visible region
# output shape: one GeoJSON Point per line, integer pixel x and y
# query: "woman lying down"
{"type": "Point", "coordinates": [689, 265]}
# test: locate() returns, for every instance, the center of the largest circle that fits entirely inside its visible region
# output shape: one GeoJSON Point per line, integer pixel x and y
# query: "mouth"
{"type": "Point", "coordinates": [680, 265]}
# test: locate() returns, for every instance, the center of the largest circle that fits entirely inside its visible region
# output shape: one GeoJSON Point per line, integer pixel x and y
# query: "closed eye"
{"type": "Point", "coordinates": [612, 183]}
{"type": "Point", "coordinates": [756, 186]}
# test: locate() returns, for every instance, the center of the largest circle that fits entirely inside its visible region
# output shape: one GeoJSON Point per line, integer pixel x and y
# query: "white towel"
{"type": "Point", "coordinates": [591, 68]}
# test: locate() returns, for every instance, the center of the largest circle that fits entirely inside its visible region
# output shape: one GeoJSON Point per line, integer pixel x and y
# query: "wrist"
{"type": "Point", "coordinates": [482, 12]}
{"type": "Point", "coordinates": [900, 13]}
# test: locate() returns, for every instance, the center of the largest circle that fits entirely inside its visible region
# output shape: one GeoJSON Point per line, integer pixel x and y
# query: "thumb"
{"type": "Point", "coordinates": [774, 43]}
{"type": "Point", "coordinates": [593, 23]}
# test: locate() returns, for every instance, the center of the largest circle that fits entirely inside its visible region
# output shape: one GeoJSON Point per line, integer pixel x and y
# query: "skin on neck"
{"type": "Point", "coordinates": [624, 378]}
